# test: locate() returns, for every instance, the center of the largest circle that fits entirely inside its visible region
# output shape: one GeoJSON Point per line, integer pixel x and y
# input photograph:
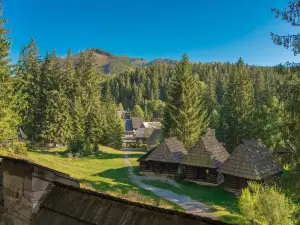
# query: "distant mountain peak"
{"type": "Point", "coordinates": [109, 63]}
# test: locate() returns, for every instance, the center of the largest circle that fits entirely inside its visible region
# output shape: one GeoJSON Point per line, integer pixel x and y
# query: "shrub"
{"type": "Point", "coordinates": [267, 205]}
{"type": "Point", "coordinates": [18, 148]}
{"type": "Point", "coordinates": [78, 144]}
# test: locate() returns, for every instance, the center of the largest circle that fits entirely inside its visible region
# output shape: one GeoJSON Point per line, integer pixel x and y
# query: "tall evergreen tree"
{"type": "Point", "coordinates": [8, 116]}
{"type": "Point", "coordinates": [137, 111]}
{"type": "Point", "coordinates": [28, 78]}
{"type": "Point", "coordinates": [237, 108]}
{"type": "Point", "coordinates": [185, 115]}
{"type": "Point", "coordinates": [56, 124]}
{"type": "Point", "coordinates": [291, 15]}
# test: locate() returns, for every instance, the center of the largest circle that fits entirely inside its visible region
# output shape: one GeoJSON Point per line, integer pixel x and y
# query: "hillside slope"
{"type": "Point", "coordinates": [109, 63]}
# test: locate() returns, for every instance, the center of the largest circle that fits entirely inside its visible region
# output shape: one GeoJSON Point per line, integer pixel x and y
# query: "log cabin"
{"type": "Point", "coordinates": [136, 123]}
{"type": "Point", "coordinates": [203, 160]}
{"type": "Point", "coordinates": [250, 161]}
{"type": "Point", "coordinates": [32, 194]}
{"type": "Point", "coordinates": [164, 160]}
{"type": "Point", "coordinates": [148, 136]}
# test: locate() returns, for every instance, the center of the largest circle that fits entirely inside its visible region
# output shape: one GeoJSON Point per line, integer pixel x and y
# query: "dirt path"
{"type": "Point", "coordinates": [185, 202]}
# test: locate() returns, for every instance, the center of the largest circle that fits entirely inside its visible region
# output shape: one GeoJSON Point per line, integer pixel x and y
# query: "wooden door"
{"type": "Point", "coordinates": [201, 173]}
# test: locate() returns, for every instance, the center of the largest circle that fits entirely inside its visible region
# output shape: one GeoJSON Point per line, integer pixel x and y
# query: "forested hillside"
{"type": "Point", "coordinates": [108, 63]}
{"type": "Point", "coordinates": [227, 90]}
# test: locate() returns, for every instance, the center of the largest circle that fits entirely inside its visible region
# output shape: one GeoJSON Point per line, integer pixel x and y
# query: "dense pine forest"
{"type": "Point", "coordinates": [254, 94]}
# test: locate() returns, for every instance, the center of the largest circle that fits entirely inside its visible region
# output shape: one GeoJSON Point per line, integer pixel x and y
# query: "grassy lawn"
{"type": "Point", "coordinates": [105, 173]}
{"type": "Point", "coordinates": [225, 204]}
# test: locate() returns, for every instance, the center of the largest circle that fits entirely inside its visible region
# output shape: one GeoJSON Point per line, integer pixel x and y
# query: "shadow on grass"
{"type": "Point", "coordinates": [100, 155]}
{"type": "Point", "coordinates": [120, 185]}
{"type": "Point", "coordinates": [119, 177]}
{"type": "Point", "coordinates": [220, 200]}
{"type": "Point", "coordinates": [119, 181]}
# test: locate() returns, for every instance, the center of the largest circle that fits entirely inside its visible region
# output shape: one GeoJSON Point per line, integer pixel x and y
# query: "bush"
{"type": "Point", "coordinates": [18, 148]}
{"type": "Point", "coordinates": [80, 145]}
{"type": "Point", "coordinates": [266, 205]}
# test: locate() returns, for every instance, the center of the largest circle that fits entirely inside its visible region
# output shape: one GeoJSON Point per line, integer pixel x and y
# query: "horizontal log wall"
{"type": "Point", "coordinates": [191, 172]}
{"type": "Point", "coordinates": [159, 167]}
{"type": "Point", "coordinates": [202, 174]}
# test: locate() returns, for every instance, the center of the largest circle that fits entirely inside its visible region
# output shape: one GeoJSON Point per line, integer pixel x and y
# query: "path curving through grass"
{"type": "Point", "coordinates": [185, 202]}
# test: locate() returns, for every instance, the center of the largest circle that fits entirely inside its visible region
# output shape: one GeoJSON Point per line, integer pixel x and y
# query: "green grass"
{"type": "Point", "coordinates": [106, 173]}
{"type": "Point", "coordinates": [225, 204]}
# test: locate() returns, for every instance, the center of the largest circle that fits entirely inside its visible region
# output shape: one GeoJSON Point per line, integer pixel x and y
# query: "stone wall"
{"type": "Point", "coordinates": [25, 185]}
{"type": "Point", "coordinates": [22, 192]}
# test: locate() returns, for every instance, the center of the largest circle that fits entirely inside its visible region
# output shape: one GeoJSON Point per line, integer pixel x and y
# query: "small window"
{"type": "Point", "coordinates": [207, 171]}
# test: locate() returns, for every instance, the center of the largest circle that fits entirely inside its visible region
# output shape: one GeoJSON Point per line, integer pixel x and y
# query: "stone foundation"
{"type": "Point", "coordinates": [22, 192]}
{"type": "Point", "coordinates": [24, 187]}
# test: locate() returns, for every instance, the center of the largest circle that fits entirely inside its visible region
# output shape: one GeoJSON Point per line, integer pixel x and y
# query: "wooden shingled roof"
{"type": "Point", "coordinates": [74, 206]}
{"type": "Point", "coordinates": [136, 122]}
{"type": "Point", "coordinates": [207, 152]}
{"type": "Point", "coordinates": [251, 162]}
{"type": "Point", "coordinates": [170, 150]}
{"type": "Point", "coordinates": [156, 134]}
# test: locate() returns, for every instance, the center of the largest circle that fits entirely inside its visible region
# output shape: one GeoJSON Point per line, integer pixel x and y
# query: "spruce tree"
{"type": "Point", "coordinates": [8, 115]}
{"type": "Point", "coordinates": [137, 111]}
{"type": "Point", "coordinates": [185, 114]}
{"type": "Point", "coordinates": [28, 87]}
{"type": "Point", "coordinates": [56, 112]}
{"type": "Point", "coordinates": [237, 108]}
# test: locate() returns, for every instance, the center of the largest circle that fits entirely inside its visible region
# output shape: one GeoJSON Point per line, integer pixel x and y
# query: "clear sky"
{"type": "Point", "coordinates": [218, 30]}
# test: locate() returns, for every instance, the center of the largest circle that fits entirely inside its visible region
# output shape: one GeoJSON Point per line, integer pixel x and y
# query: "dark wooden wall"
{"type": "Point", "coordinates": [209, 175]}
{"type": "Point", "coordinates": [159, 167]}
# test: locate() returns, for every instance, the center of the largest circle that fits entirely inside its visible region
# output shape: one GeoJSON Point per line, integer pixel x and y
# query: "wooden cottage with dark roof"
{"type": "Point", "coordinates": [164, 160]}
{"type": "Point", "coordinates": [203, 160]}
{"type": "Point", "coordinates": [250, 161]}
{"type": "Point", "coordinates": [136, 123]}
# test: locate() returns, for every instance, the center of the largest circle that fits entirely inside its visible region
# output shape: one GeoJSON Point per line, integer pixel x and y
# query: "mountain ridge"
{"type": "Point", "coordinates": [109, 63]}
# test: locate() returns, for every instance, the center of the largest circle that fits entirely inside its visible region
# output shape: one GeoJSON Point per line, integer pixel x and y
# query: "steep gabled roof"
{"type": "Point", "coordinates": [247, 161]}
{"type": "Point", "coordinates": [145, 155]}
{"type": "Point", "coordinates": [207, 152]}
{"type": "Point", "coordinates": [149, 133]}
{"type": "Point", "coordinates": [170, 150]}
{"type": "Point", "coordinates": [156, 134]}
{"type": "Point", "coordinates": [140, 133]}
{"type": "Point", "coordinates": [257, 145]}
{"type": "Point", "coordinates": [74, 206]}
{"type": "Point", "coordinates": [136, 122]}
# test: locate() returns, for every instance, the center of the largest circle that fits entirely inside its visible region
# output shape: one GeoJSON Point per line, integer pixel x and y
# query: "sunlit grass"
{"type": "Point", "coordinates": [223, 203]}
{"type": "Point", "coordinates": [106, 172]}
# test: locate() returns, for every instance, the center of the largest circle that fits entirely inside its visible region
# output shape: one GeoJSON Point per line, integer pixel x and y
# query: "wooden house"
{"type": "Point", "coordinates": [136, 123]}
{"type": "Point", "coordinates": [164, 160]}
{"type": "Point", "coordinates": [203, 160]}
{"type": "Point", "coordinates": [148, 136]}
{"type": "Point", "coordinates": [31, 194]}
{"type": "Point", "coordinates": [250, 161]}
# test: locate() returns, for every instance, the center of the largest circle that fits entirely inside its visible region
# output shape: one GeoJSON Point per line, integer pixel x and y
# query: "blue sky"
{"type": "Point", "coordinates": [207, 30]}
